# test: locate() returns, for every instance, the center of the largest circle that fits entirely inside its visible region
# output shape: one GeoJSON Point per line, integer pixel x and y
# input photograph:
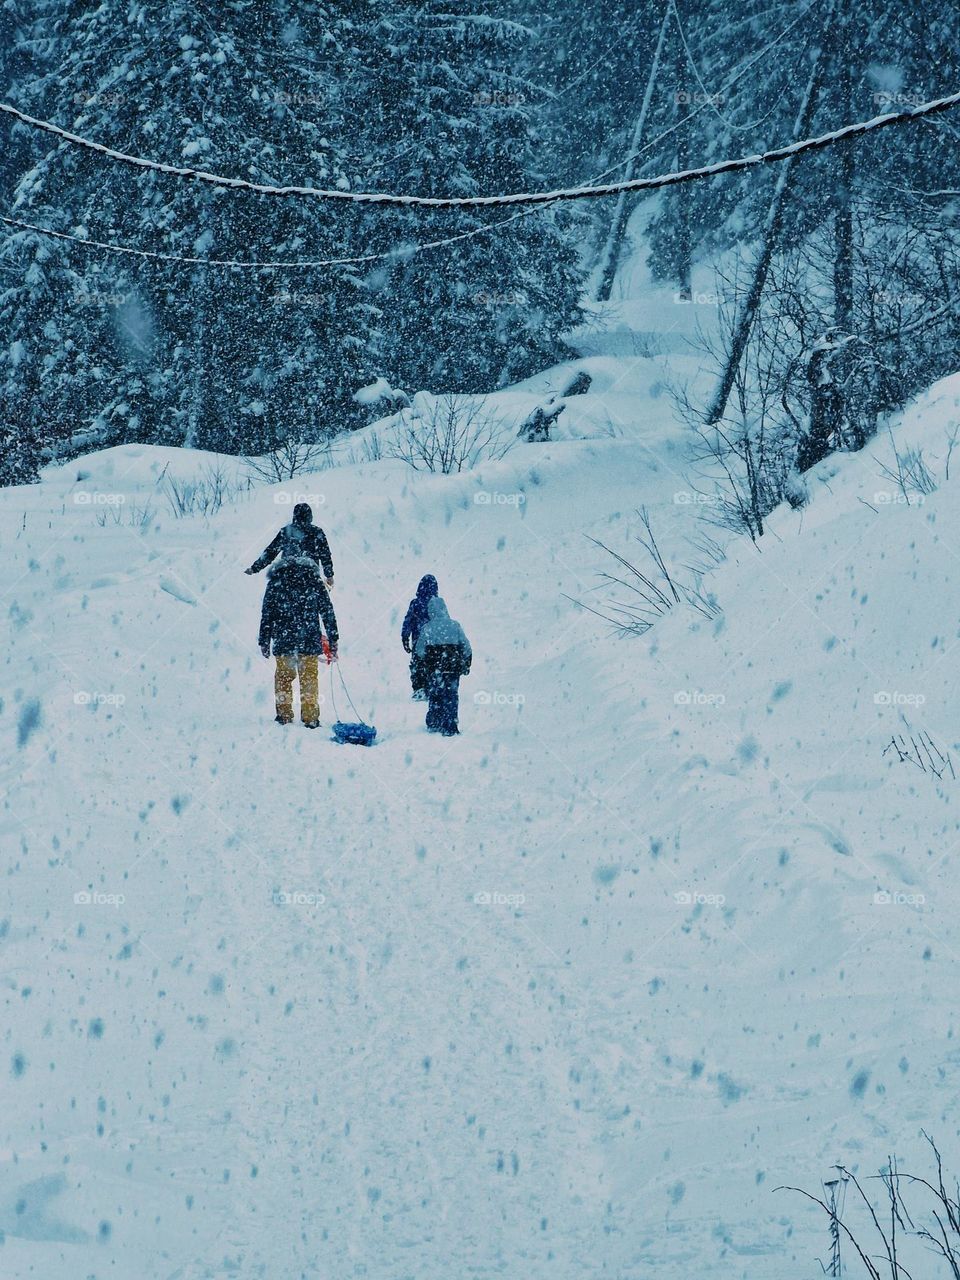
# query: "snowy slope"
{"type": "Point", "coordinates": [566, 997]}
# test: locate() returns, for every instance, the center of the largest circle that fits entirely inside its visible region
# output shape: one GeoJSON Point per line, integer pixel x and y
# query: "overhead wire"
{"type": "Point", "coordinates": [773, 155]}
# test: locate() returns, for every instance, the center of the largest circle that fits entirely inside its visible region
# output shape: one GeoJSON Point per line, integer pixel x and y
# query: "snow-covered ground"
{"type": "Point", "coordinates": [567, 996]}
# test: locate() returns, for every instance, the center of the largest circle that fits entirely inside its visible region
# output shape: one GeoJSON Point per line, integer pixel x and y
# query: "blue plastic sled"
{"type": "Point", "coordinates": [361, 735]}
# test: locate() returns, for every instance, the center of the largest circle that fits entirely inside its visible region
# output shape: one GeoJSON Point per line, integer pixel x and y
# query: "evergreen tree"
{"type": "Point", "coordinates": [454, 114]}
{"type": "Point", "coordinates": [838, 209]}
{"type": "Point", "coordinates": [101, 348]}
{"type": "Point", "coordinates": [872, 60]}
{"type": "Point", "coordinates": [590, 67]}
{"type": "Point", "coordinates": [140, 350]}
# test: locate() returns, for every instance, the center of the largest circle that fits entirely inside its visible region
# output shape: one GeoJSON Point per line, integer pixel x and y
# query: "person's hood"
{"type": "Point", "coordinates": [439, 627]}
{"type": "Point", "coordinates": [428, 588]}
{"type": "Point", "coordinates": [302, 515]}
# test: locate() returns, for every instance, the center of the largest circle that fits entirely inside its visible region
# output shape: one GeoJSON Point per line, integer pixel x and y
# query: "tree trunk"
{"type": "Point", "coordinates": [195, 435]}
{"type": "Point", "coordinates": [684, 233]}
{"type": "Point", "coordinates": [625, 204]}
{"type": "Point", "coordinates": [843, 229]}
{"type": "Point", "coordinates": [826, 407]}
{"type": "Point", "coordinates": [771, 233]}
{"type": "Point", "coordinates": [843, 190]}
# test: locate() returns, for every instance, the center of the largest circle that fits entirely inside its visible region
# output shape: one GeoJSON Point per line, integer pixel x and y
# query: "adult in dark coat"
{"type": "Point", "coordinates": [294, 602]}
{"type": "Point", "coordinates": [299, 539]}
{"type": "Point", "coordinates": [446, 655]}
{"type": "Point", "coordinates": [416, 616]}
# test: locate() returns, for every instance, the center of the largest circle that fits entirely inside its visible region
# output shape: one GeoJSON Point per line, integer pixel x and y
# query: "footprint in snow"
{"type": "Point", "coordinates": [833, 838]}
{"type": "Point", "coordinates": [843, 782]}
{"type": "Point", "coordinates": [26, 1215]}
{"type": "Point", "coordinates": [177, 590]}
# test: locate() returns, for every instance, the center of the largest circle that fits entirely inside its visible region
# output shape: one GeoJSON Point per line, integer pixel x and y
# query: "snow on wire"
{"type": "Point", "coordinates": [398, 253]}
{"type": "Point", "coordinates": [671, 179]}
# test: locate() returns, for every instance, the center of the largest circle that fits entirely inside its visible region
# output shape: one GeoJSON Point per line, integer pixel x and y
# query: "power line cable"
{"type": "Point", "coordinates": [710, 99]}
{"type": "Point", "coordinates": [397, 254]}
{"type": "Point", "coordinates": [675, 178]}
{"type": "Point", "coordinates": [737, 75]}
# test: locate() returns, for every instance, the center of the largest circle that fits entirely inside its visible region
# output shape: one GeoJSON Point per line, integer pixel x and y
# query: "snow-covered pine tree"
{"type": "Point", "coordinates": [101, 348]}
{"type": "Point", "coordinates": [840, 206]}
{"type": "Point", "coordinates": [12, 66]}
{"type": "Point", "coordinates": [453, 114]}
{"type": "Point", "coordinates": [591, 63]}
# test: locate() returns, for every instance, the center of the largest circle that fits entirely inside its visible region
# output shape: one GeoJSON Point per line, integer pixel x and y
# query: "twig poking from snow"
{"type": "Point", "coordinates": [922, 752]}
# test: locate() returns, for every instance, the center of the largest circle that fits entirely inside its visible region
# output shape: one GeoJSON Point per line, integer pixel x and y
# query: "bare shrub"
{"type": "Point", "coordinates": [748, 454]}
{"type": "Point", "coordinates": [651, 590]}
{"type": "Point", "coordinates": [914, 1219]}
{"type": "Point", "coordinates": [136, 516]}
{"type": "Point", "coordinates": [455, 434]}
{"type": "Point", "coordinates": [919, 749]}
{"type": "Point", "coordinates": [909, 472]}
{"type": "Point", "coordinates": [292, 458]}
{"type": "Point", "coordinates": [371, 448]}
{"type": "Point", "coordinates": [204, 496]}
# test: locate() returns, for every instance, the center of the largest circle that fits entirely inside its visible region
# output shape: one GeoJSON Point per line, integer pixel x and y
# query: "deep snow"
{"type": "Point", "coordinates": [568, 996]}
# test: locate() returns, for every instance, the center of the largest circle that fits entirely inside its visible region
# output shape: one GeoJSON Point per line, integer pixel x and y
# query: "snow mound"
{"type": "Point", "coordinates": [671, 923]}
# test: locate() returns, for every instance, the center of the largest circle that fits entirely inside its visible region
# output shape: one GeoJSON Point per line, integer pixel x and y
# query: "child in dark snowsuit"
{"type": "Point", "coordinates": [300, 539]}
{"type": "Point", "coordinates": [446, 655]}
{"type": "Point", "coordinates": [293, 604]}
{"type": "Point", "coordinates": [415, 618]}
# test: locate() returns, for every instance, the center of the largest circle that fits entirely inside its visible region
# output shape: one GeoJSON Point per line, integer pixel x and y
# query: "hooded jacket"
{"type": "Point", "coordinates": [442, 634]}
{"type": "Point", "coordinates": [300, 539]}
{"type": "Point", "coordinates": [293, 604]}
{"type": "Point", "coordinates": [417, 612]}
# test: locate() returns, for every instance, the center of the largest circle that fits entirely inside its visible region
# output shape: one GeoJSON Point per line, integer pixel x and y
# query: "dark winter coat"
{"type": "Point", "coordinates": [443, 654]}
{"type": "Point", "coordinates": [293, 604]}
{"type": "Point", "coordinates": [299, 539]}
{"type": "Point", "coordinates": [442, 645]}
{"type": "Point", "coordinates": [417, 612]}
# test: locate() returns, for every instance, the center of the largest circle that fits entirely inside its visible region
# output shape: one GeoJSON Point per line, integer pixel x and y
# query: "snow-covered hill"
{"type": "Point", "coordinates": [568, 996]}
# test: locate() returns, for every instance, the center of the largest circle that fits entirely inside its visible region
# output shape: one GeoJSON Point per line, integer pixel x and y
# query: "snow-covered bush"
{"type": "Point", "coordinates": [453, 434]}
